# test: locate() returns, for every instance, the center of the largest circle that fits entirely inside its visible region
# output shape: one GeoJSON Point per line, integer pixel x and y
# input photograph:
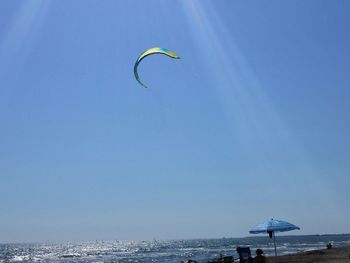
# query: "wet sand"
{"type": "Point", "coordinates": [333, 255]}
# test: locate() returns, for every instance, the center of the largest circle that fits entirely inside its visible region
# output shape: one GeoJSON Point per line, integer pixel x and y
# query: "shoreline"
{"type": "Point", "coordinates": [333, 255]}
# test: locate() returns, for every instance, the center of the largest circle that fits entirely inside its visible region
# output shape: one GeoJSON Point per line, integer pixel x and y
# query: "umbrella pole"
{"type": "Point", "coordinates": [274, 242]}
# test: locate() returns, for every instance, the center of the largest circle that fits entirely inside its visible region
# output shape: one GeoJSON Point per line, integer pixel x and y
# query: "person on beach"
{"type": "Point", "coordinates": [259, 258]}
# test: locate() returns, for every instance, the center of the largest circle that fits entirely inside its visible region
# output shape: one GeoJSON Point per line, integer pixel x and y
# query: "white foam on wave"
{"type": "Point", "coordinates": [16, 258]}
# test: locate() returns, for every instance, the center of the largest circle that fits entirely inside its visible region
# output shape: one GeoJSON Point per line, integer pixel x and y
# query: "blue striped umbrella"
{"type": "Point", "coordinates": [272, 226]}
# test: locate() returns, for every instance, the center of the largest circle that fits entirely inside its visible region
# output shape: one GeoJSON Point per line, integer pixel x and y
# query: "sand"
{"type": "Point", "coordinates": [333, 255]}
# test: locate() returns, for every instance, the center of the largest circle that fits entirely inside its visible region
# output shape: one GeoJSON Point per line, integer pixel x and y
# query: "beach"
{"type": "Point", "coordinates": [333, 255]}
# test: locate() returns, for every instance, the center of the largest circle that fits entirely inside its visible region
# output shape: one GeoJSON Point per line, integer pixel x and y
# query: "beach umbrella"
{"type": "Point", "coordinates": [272, 226]}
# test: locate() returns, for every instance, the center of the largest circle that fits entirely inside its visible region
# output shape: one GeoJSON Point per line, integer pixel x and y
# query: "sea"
{"type": "Point", "coordinates": [165, 251]}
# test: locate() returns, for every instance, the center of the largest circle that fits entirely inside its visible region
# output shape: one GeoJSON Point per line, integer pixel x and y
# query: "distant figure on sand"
{"type": "Point", "coordinates": [329, 245]}
{"type": "Point", "coordinates": [259, 258]}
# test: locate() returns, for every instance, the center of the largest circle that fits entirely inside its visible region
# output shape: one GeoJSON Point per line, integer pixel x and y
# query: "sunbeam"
{"type": "Point", "coordinates": [259, 130]}
{"type": "Point", "coordinates": [19, 37]}
{"type": "Point", "coordinates": [19, 33]}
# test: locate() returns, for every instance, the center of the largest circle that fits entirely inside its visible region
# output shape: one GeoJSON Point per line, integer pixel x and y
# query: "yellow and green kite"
{"type": "Point", "coordinates": [151, 51]}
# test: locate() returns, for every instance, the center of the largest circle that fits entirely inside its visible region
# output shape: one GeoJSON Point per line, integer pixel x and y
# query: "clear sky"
{"type": "Point", "coordinates": [251, 123]}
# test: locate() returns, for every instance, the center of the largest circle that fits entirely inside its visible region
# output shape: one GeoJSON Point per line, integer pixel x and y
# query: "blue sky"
{"type": "Point", "coordinates": [251, 123]}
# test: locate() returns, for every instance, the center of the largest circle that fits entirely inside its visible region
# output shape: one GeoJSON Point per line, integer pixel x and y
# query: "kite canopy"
{"type": "Point", "coordinates": [151, 51]}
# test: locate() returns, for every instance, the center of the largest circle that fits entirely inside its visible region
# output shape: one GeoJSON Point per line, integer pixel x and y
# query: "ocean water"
{"type": "Point", "coordinates": [169, 251]}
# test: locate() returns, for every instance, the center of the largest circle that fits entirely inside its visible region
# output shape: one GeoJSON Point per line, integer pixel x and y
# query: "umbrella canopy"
{"type": "Point", "coordinates": [272, 226]}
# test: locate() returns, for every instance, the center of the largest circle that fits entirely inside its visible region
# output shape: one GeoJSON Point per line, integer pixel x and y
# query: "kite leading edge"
{"type": "Point", "coordinates": [151, 51]}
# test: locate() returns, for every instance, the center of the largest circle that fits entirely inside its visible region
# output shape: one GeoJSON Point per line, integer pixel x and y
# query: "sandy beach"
{"type": "Point", "coordinates": [334, 255]}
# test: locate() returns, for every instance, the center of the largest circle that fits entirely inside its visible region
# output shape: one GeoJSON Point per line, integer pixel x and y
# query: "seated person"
{"type": "Point", "coordinates": [259, 258]}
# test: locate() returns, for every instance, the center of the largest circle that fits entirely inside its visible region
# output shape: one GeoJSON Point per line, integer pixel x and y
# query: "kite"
{"type": "Point", "coordinates": [151, 51]}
